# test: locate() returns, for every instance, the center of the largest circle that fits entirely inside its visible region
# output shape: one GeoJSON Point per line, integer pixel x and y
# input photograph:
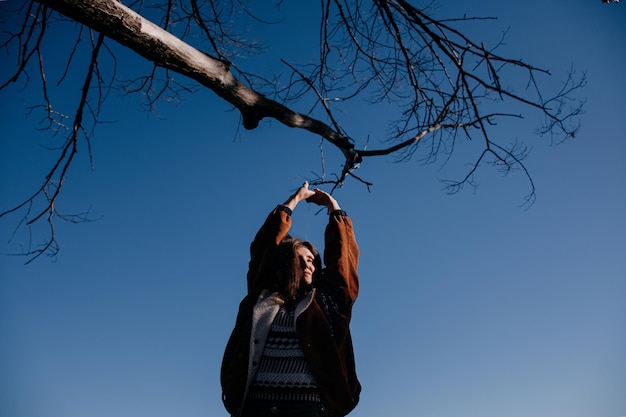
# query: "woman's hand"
{"type": "Point", "coordinates": [303, 193]}
{"type": "Point", "coordinates": [322, 198]}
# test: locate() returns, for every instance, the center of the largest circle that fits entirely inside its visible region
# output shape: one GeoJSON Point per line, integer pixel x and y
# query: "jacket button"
{"type": "Point", "coordinates": [253, 363]}
{"type": "Point", "coordinates": [256, 341]}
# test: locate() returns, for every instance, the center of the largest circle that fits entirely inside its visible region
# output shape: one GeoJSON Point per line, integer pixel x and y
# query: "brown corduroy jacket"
{"type": "Point", "coordinates": [322, 317]}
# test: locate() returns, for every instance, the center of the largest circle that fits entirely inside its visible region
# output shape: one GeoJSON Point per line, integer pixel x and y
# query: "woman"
{"type": "Point", "coordinates": [290, 353]}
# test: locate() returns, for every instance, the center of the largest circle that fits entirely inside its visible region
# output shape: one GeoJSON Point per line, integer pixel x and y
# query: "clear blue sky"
{"type": "Point", "coordinates": [470, 305]}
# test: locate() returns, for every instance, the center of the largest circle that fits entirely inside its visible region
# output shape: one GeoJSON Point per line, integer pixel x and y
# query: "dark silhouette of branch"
{"type": "Point", "coordinates": [444, 85]}
{"type": "Point", "coordinates": [53, 184]}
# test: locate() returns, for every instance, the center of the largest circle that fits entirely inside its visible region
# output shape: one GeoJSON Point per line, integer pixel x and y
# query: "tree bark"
{"type": "Point", "coordinates": [148, 40]}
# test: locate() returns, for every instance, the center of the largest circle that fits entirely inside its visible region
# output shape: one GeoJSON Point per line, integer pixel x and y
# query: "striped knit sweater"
{"type": "Point", "coordinates": [284, 373]}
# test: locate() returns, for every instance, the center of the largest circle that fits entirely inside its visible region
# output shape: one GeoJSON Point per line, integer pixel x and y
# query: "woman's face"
{"type": "Point", "coordinates": [305, 267]}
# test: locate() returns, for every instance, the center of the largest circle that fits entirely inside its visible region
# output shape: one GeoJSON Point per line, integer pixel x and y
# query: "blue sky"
{"type": "Point", "coordinates": [470, 305]}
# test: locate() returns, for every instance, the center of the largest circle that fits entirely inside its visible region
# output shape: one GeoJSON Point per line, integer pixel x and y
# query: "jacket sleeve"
{"type": "Point", "coordinates": [263, 248]}
{"type": "Point", "coordinates": [341, 256]}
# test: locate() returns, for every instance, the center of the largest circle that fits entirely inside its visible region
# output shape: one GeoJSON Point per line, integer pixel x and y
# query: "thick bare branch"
{"type": "Point", "coordinates": [155, 44]}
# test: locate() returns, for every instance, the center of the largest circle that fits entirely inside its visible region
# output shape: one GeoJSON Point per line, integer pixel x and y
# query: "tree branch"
{"type": "Point", "coordinates": [442, 83]}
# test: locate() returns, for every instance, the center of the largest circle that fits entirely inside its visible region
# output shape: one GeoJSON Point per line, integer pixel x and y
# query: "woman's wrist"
{"type": "Point", "coordinates": [333, 206]}
{"type": "Point", "coordinates": [282, 207]}
{"type": "Point", "coordinates": [292, 202]}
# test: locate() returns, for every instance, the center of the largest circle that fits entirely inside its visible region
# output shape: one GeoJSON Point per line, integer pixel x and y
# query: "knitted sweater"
{"type": "Point", "coordinates": [284, 373]}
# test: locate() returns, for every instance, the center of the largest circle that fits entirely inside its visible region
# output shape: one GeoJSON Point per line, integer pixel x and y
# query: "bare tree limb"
{"type": "Point", "coordinates": [445, 85]}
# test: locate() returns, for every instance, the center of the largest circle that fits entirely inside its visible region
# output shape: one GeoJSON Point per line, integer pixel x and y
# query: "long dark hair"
{"type": "Point", "coordinates": [286, 264]}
